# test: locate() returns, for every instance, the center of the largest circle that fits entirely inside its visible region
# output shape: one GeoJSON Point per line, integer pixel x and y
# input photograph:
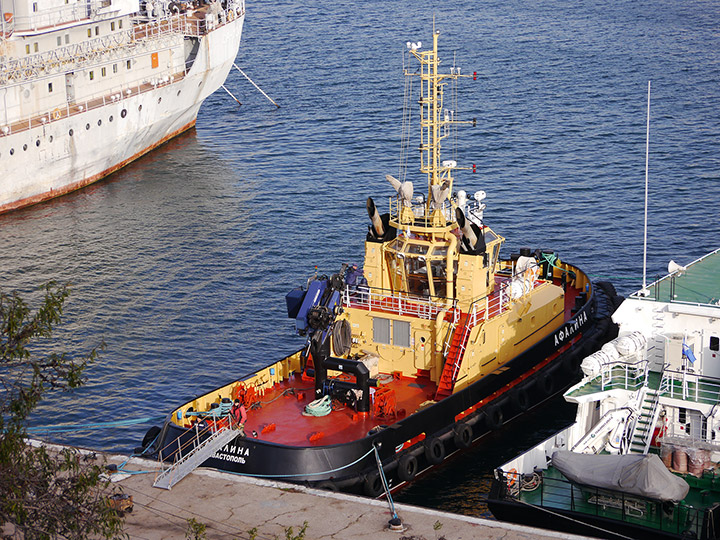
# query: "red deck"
{"type": "Point", "coordinates": [343, 424]}
{"type": "Point", "coordinates": [340, 426]}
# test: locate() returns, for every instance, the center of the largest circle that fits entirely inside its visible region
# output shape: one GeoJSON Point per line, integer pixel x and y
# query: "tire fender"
{"type": "Point", "coordinates": [434, 451]}
{"type": "Point", "coordinates": [463, 435]}
{"type": "Point", "coordinates": [407, 467]}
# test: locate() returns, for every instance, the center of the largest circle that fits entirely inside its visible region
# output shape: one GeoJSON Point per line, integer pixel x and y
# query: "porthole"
{"type": "Point", "coordinates": [123, 113]}
{"type": "Point", "coordinates": [140, 108]}
{"type": "Point", "coordinates": [159, 99]}
{"type": "Point", "coordinates": [37, 143]}
{"type": "Point", "coordinates": [51, 138]}
{"type": "Point", "coordinates": [12, 151]}
{"type": "Point", "coordinates": [110, 119]}
{"type": "Point", "coordinates": [24, 147]}
{"type": "Point", "coordinates": [178, 92]}
{"type": "Point", "coordinates": [71, 132]}
{"type": "Point", "coordinates": [87, 126]}
{"type": "Point", "coordinates": [99, 122]}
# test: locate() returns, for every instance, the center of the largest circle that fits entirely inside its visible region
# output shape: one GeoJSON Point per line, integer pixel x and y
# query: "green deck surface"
{"type": "Point", "coordinates": [705, 391]}
{"type": "Point", "coordinates": [698, 285]}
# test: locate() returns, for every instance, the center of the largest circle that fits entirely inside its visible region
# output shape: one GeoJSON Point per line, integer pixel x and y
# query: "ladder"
{"type": "Point", "coordinates": [193, 459]}
{"type": "Point", "coordinates": [454, 358]}
{"type": "Point", "coordinates": [643, 430]}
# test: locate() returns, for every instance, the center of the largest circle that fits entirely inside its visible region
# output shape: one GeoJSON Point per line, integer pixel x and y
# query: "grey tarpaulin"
{"type": "Point", "coordinates": [636, 474]}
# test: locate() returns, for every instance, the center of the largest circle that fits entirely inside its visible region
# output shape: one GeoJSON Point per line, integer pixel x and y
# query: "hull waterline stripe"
{"type": "Point", "coordinates": [46, 196]}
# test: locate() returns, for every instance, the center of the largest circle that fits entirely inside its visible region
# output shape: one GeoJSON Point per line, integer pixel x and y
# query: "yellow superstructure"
{"type": "Point", "coordinates": [424, 287]}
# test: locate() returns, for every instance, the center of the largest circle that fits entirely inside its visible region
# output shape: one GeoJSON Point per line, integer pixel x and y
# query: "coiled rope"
{"type": "Point", "coordinates": [319, 407]}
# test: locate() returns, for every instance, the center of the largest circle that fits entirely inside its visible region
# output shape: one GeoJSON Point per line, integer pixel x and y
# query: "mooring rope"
{"type": "Point", "coordinates": [385, 482]}
{"type": "Point", "coordinates": [59, 428]}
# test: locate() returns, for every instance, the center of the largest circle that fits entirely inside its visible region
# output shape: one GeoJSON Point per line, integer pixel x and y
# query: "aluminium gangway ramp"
{"type": "Point", "coordinates": [193, 459]}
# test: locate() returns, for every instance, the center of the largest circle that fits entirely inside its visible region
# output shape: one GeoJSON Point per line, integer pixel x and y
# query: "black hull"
{"type": "Point", "coordinates": [352, 466]}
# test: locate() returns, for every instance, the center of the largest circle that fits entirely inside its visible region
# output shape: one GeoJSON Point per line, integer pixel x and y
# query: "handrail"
{"type": "Point", "coordinates": [138, 86]}
{"type": "Point", "coordinates": [388, 301]}
{"type": "Point", "coordinates": [79, 54]}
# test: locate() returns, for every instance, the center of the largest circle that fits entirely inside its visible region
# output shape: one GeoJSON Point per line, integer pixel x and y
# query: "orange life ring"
{"type": "Point", "coordinates": [56, 114]}
{"type": "Point", "coordinates": [8, 17]}
{"type": "Point", "coordinates": [512, 477]}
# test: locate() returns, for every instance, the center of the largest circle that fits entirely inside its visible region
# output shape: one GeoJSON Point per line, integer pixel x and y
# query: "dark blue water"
{"type": "Point", "coordinates": [180, 262]}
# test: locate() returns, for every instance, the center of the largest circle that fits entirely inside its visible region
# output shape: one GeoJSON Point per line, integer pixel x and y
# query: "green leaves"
{"type": "Point", "coordinates": [44, 493]}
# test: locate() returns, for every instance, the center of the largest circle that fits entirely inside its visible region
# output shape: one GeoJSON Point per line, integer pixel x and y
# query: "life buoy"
{"type": "Point", "coordinates": [521, 399]}
{"type": "Point", "coordinates": [8, 17]}
{"type": "Point", "coordinates": [512, 477]}
{"type": "Point", "coordinates": [463, 435]}
{"type": "Point", "coordinates": [434, 451]}
{"type": "Point", "coordinates": [494, 417]}
{"type": "Point", "coordinates": [407, 467]}
{"type": "Point", "coordinates": [373, 484]}
{"type": "Point", "coordinates": [56, 114]}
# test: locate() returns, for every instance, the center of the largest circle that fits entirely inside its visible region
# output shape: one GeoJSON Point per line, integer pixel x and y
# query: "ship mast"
{"type": "Point", "coordinates": [435, 121]}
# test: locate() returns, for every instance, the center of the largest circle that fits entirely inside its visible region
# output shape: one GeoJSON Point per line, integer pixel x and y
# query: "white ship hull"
{"type": "Point", "coordinates": [70, 147]}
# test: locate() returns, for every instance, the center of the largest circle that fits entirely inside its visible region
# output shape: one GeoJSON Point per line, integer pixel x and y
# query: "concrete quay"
{"type": "Point", "coordinates": [239, 507]}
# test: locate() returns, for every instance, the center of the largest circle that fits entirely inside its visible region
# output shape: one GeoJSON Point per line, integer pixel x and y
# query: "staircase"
{"type": "Point", "coordinates": [453, 359]}
{"type": "Point", "coordinates": [193, 459]}
{"type": "Point", "coordinates": [643, 430]}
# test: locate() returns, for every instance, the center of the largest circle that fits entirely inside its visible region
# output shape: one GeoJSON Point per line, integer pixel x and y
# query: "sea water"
{"type": "Point", "coordinates": [180, 262]}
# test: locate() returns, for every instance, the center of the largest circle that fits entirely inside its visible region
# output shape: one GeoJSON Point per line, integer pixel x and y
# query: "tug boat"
{"type": "Point", "coordinates": [435, 342]}
{"type": "Point", "coordinates": [642, 458]}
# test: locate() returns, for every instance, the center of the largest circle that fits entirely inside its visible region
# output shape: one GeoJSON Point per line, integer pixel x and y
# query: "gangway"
{"type": "Point", "coordinates": [186, 464]}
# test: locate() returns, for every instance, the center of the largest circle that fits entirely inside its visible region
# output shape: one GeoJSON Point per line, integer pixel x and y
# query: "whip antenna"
{"type": "Point", "coordinates": [645, 292]}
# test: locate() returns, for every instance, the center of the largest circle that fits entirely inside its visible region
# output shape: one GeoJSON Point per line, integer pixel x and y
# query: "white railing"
{"type": "Point", "coordinates": [64, 14]}
{"type": "Point", "coordinates": [120, 44]}
{"type": "Point", "coordinates": [397, 303]}
{"type": "Point", "coordinates": [88, 104]}
{"type": "Point", "coordinates": [631, 377]}
{"type": "Point", "coordinates": [691, 386]}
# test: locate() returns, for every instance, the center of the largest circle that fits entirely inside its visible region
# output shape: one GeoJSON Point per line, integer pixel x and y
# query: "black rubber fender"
{"type": "Point", "coordinates": [434, 451]}
{"type": "Point", "coordinates": [546, 383]}
{"type": "Point", "coordinates": [494, 417]}
{"type": "Point", "coordinates": [520, 399]}
{"type": "Point", "coordinates": [407, 467]}
{"type": "Point", "coordinates": [150, 436]}
{"type": "Point", "coordinates": [327, 485]}
{"type": "Point", "coordinates": [463, 435]}
{"type": "Point", "coordinates": [373, 484]}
